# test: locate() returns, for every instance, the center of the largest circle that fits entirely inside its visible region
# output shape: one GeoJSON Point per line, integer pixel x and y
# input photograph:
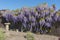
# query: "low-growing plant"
{"type": "Point", "coordinates": [29, 36]}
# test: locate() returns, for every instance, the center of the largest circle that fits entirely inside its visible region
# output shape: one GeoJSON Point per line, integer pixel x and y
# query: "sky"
{"type": "Point", "coordinates": [14, 4]}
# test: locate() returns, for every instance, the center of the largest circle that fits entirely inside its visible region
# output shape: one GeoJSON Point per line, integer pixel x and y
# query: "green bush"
{"type": "Point", "coordinates": [30, 36]}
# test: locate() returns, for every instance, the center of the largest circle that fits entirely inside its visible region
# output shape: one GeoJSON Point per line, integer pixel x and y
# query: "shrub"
{"type": "Point", "coordinates": [29, 36]}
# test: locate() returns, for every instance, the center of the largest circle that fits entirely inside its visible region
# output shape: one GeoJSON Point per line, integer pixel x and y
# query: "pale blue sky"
{"type": "Point", "coordinates": [14, 4]}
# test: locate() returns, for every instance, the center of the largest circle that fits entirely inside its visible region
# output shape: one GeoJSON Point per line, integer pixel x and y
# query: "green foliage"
{"type": "Point", "coordinates": [30, 36]}
{"type": "Point", "coordinates": [2, 37]}
{"type": "Point", "coordinates": [17, 10]}
{"type": "Point", "coordinates": [44, 3]}
{"type": "Point", "coordinates": [58, 13]}
{"type": "Point", "coordinates": [16, 14]}
{"type": "Point", "coordinates": [53, 5]}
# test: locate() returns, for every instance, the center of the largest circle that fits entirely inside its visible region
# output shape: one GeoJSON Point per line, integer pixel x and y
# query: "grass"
{"type": "Point", "coordinates": [2, 36]}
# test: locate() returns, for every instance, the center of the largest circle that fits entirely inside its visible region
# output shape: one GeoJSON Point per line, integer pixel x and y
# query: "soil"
{"type": "Point", "coordinates": [12, 35]}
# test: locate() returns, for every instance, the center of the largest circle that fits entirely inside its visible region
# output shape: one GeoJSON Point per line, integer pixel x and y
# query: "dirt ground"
{"type": "Point", "coordinates": [12, 35]}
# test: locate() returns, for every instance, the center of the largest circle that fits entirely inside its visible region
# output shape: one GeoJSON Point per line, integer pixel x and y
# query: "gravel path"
{"type": "Point", "coordinates": [20, 36]}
